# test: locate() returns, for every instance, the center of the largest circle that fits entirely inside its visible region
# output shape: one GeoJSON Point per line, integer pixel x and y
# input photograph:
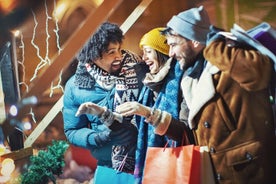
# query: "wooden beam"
{"type": "Point", "coordinates": [137, 12]}
{"type": "Point", "coordinates": [44, 123]}
{"type": "Point", "coordinates": [2, 102]}
{"type": "Point", "coordinates": [18, 155]}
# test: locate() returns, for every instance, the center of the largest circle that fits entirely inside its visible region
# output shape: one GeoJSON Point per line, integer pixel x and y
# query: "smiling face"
{"type": "Point", "coordinates": [183, 50]}
{"type": "Point", "coordinates": [111, 60]}
{"type": "Point", "coordinates": [150, 58]}
{"type": "Point", "coordinates": [180, 49]}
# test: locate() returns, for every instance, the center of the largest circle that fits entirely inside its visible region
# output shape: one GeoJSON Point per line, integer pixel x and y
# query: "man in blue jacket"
{"type": "Point", "coordinates": [105, 77]}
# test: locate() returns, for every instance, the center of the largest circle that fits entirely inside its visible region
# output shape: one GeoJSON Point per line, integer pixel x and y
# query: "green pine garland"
{"type": "Point", "coordinates": [46, 165]}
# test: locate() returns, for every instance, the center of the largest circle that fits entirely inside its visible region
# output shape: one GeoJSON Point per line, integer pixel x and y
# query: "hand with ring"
{"type": "Point", "coordinates": [133, 108]}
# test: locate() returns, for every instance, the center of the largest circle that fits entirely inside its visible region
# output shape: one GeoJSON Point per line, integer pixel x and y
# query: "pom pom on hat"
{"type": "Point", "coordinates": [192, 24]}
{"type": "Point", "coordinates": [155, 40]}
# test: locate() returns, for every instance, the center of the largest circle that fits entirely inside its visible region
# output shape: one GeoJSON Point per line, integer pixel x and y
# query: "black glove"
{"type": "Point", "coordinates": [102, 138]}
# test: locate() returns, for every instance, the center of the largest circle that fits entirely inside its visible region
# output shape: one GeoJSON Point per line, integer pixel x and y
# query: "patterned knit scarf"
{"type": "Point", "coordinates": [104, 79]}
{"type": "Point", "coordinates": [126, 83]}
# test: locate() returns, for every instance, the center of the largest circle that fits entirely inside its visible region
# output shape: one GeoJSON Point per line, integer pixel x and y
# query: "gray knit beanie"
{"type": "Point", "coordinates": [192, 24]}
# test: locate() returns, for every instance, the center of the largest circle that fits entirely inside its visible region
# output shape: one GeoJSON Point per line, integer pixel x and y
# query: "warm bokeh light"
{"type": "Point", "coordinates": [60, 9]}
{"type": "Point", "coordinates": [13, 110]}
{"type": "Point", "coordinates": [2, 149]}
{"type": "Point", "coordinates": [98, 2]}
{"type": "Point", "coordinates": [8, 167]}
{"type": "Point", "coordinates": [16, 33]}
{"type": "Point", "coordinates": [7, 5]}
{"type": "Point", "coordinates": [27, 125]}
{"type": "Point", "coordinates": [4, 179]}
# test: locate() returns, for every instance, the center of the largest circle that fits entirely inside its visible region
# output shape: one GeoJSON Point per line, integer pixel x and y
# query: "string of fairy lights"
{"type": "Point", "coordinates": [7, 165]}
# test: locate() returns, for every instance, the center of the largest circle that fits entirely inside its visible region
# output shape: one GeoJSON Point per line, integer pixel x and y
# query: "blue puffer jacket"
{"type": "Point", "coordinates": [81, 130]}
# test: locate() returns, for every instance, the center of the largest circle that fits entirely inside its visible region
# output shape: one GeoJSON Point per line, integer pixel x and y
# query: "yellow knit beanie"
{"type": "Point", "coordinates": [155, 40]}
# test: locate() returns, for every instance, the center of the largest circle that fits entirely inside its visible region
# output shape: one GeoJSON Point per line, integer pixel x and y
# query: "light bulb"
{"type": "Point", "coordinates": [7, 167]}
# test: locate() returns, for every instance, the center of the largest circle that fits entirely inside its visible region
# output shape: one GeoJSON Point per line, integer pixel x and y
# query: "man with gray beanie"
{"type": "Point", "coordinates": [225, 101]}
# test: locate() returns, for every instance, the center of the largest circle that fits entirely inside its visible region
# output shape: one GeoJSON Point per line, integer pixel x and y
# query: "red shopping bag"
{"type": "Point", "coordinates": [174, 165]}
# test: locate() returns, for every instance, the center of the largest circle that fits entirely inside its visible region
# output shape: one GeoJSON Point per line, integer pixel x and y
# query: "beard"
{"type": "Point", "coordinates": [187, 59]}
{"type": "Point", "coordinates": [117, 71]}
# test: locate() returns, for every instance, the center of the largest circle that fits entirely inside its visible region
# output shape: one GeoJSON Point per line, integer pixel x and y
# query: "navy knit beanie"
{"type": "Point", "coordinates": [192, 24]}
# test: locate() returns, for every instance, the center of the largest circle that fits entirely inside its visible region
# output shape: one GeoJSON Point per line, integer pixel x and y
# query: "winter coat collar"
{"type": "Point", "coordinates": [197, 92]}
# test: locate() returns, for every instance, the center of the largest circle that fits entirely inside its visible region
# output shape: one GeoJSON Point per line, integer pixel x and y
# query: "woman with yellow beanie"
{"type": "Point", "coordinates": [159, 95]}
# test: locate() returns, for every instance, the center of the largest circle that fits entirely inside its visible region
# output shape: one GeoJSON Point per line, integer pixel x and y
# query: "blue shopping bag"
{"type": "Point", "coordinates": [106, 175]}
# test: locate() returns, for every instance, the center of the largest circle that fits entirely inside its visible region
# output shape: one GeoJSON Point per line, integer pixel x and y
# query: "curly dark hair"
{"type": "Point", "coordinates": [98, 43]}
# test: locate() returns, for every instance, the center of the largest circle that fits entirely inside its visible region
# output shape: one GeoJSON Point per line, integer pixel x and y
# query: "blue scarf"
{"type": "Point", "coordinates": [167, 100]}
